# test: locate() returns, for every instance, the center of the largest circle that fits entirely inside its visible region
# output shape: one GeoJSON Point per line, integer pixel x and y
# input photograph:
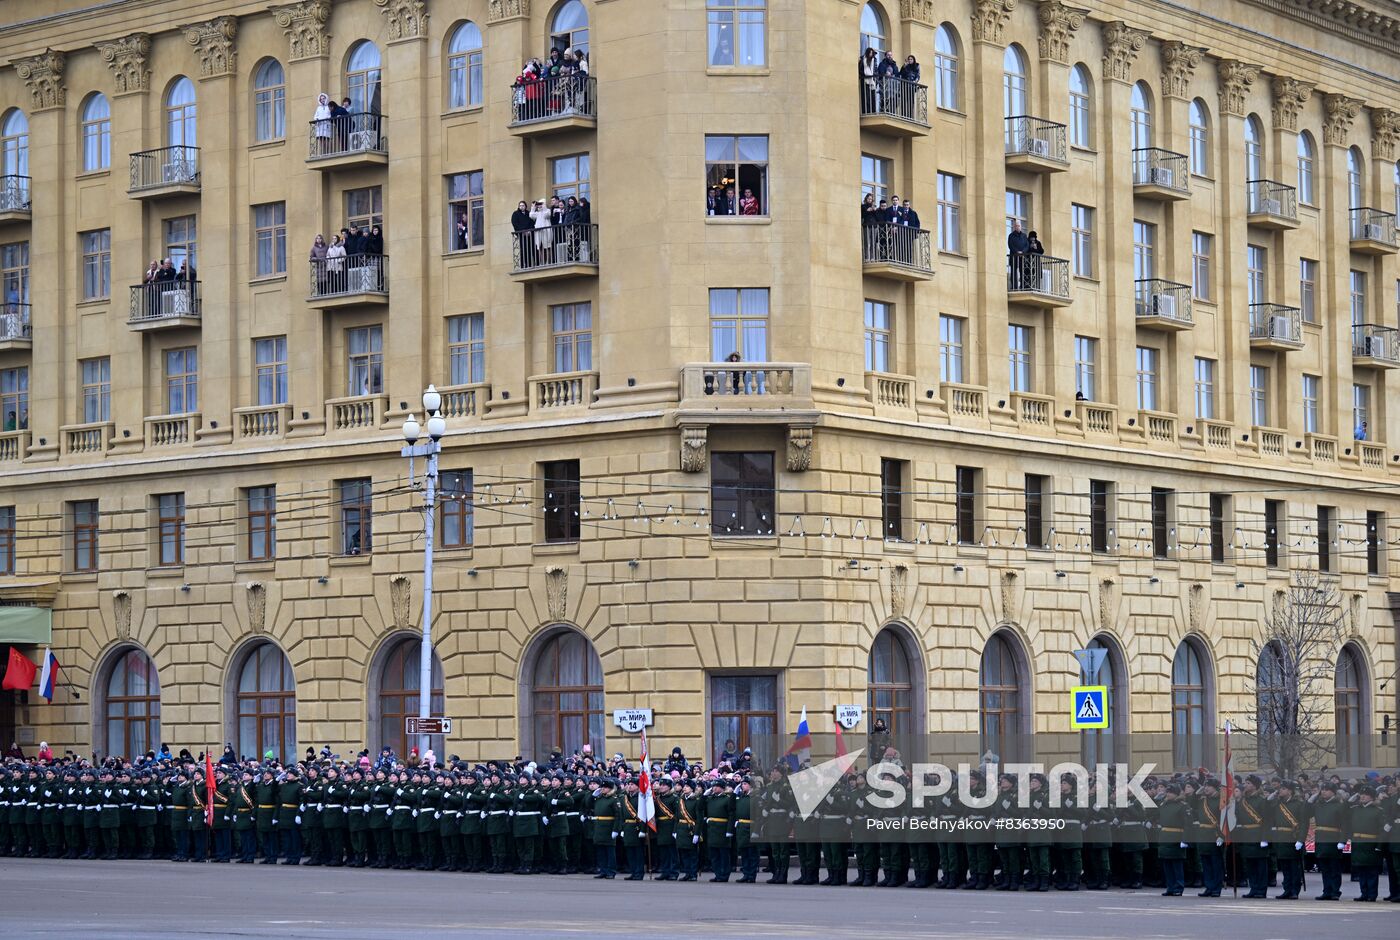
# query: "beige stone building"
{"type": "Point", "coordinates": [937, 469]}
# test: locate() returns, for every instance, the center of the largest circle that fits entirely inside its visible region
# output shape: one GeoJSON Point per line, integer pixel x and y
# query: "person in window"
{"type": "Point", "coordinates": [462, 239]}
{"type": "Point", "coordinates": [715, 203]}
{"type": "Point", "coordinates": [229, 757]}
{"type": "Point", "coordinates": [731, 201]}
{"type": "Point", "coordinates": [317, 257]}
{"type": "Point", "coordinates": [186, 273]}
{"type": "Point", "coordinates": [1361, 431]}
{"type": "Point", "coordinates": [730, 754]}
{"type": "Point", "coordinates": [11, 421]}
{"type": "Point", "coordinates": [748, 203]}
{"type": "Point", "coordinates": [321, 123]}
{"type": "Point", "coordinates": [335, 265]}
{"type": "Point", "coordinates": [724, 51]}
{"type": "Point", "coordinates": [1017, 245]}
{"type": "Point", "coordinates": [869, 67]}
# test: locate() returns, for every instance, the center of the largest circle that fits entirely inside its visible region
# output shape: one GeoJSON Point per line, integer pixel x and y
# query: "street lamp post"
{"type": "Point", "coordinates": [436, 428]}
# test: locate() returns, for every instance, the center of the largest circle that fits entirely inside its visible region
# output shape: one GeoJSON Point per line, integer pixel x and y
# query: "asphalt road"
{"type": "Point", "coordinates": [44, 899]}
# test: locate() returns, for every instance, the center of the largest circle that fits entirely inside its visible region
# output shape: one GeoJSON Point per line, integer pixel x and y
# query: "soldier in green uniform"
{"type": "Point", "coordinates": [606, 810]}
{"type": "Point", "coordinates": [127, 795]}
{"type": "Point", "coordinates": [223, 816]}
{"type": "Point", "coordinates": [1173, 820]}
{"type": "Point", "coordinates": [400, 813]}
{"type": "Point", "coordinates": [381, 801]}
{"type": "Point", "coordinates": [633, 840]}
{"type": "Point", "coordinates": [1290, 831]}
{"type": "Point", "coordinates": [869, 854]}
{"type": "Point", "coordinates": [147, 796]}
{"type": "Point", "coordinates": [1037, 840]}
{"type": "Point", "coordinates": [1069, 847]}
{"type": "Point", "coordinates": [473, 823]}
{"type": "Point", "coordinates": [952, 856]}
{"type": "Point", "coordinates": [1204, 829]}
{"type": "Point", "coordinates": [335, 810]}
{"type": "Point", "coordinates": [1331, 819]}
{"type": "Point", "coordinates": [180, 816]}
{"type": "Point", "coordinates": [51, 814]}
{"type": "Point", "coordinates": [689, 831]}
{"type": "Point", "coordinates": [1007, 846]}
{"type": "Point", "coordinates": [806, 834]}
{"type": "Point", "coordinates": [91, 814]}
{"type": "Point", "coordinates": [1368, 821]}
{"type": "Point", "coordinates": [425, 821]}
{"type": "Point", "coordinates": [1131, 840]}
{"type": "Point", "coordinates": [719, 828]}
{"type": "Point", "coordinates": [779, 815]}
{"type": "Point", "coordinates": [265, 792]}
{"type": "Point", "coordinates": [72, 814]}
{"type": "Point", "coordinates": [196, 818]}
{"type": "Point", "coordinates": [243, 806]}
{"type": "Point", "coordinates": [1391, 805]}
{"type": "Point", "coordinates": [981, 856]}
{"type": "Point", "coordinates": [288, 823]}
{"type": "Point", "coordinates": [666, 815]}
{"type": "Point", "coordinates": [498, 822]}
{"type": "Point", "coordinates": [744, 846]}
{"type": "Point", "coordinates": [110, 815]}
{"type": "Point", "coordinates": [310, 808]}
{"type": "Point", "coordinates": [1253, 823]}
{"type": "Point", "coordinates": [832, 813]}
{"type": "Point", "coordinates": [449, 821]}
{"type": "Point", "coordinates": [33, 828]}
{"type": "Point", "coordinates": [557, 813]}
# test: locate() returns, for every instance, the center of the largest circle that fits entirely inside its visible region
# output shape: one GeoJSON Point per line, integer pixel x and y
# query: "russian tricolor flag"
{"type": "Point", "coordinates": [49, 675]}
{"type": "Point", "coordinates": [801, 747]}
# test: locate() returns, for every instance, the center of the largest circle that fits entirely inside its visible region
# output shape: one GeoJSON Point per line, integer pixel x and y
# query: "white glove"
{"type": "Point", "coordinates": [1297, 846]}
{"type": "Point", "coordinates": [415, 814]}
{"type": "Point", "coordinates": [545, 820]}
{"type": "Point", "coordinates": [346, 809]}
{"type": "Point", "coordinates": [301, 808]}
{"type": "Point", "coordinates": [437, 815]}
{"type": "Point", "coordinates": [694, 840]}
{"type": "Point", "coordinates": [274, 820]}
{"type": "Point", "coordinates": [553, 802]}
{"type": "Point", "coordinates": [1183, 845]}
{"type": "Point", "coordinates": [1219, 843]}
{"type": "Point", "coordinates": [483, 814]}
{"type": "Point", "coordinates": [1263, 845]}
{"type": "Point", "coordinates": [298, 820]}
{"type": "Point", "coordinates": [366, 809]}
{"type": "Point", "coordinates": [729, 835]}
{"type": "Point", "coordinates": [1341, 846]}
{"type": "Point", "coordinates": [1387, 827]}
{"type": "Point", "coordinates": [614, 835]}
{"type": "Point", "coordinates": [320, 807]}
{"type": "Point", "coordinates": [390, 811]}
{"type": "Point", "coordinates": [512, 812]}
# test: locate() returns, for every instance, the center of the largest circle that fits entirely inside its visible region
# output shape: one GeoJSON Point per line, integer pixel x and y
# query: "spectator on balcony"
{"type": "Point", "coordinates": [1017, 247]}
{"type": "Point", "coordinates": [1361, 431]}
{"type": "Point", "coordinates": [317, 257]}
{"type": "Point", "coordinates": [907, 215]}
{"type": "Point", "coordinates": [335, 266]}
{"type": "Point", "coordinates": [186, 273]}
{"type": "Point", "coordinates": [736, 376]}
{"type": "Point", "coordinates": [520, 223]}
{"type": "Point", "coordinates": [869, 69]}
{"type": "Point", "coordinates": [340, 118]}
{"type": "Point", "coordinates": [748, 204]}
{"type": "Point", "coordinates": [543, 219]}
{"type": "Point", "coordinates": [151, 272]}
{"type": "Point", "coordinates": [321, 123]}
{"type": "Point", "coordinates": [910, 71]}
{"type": "Point", "coordinates": [867, 209]}
{"type": "Point", "coordinates": [373, 250]}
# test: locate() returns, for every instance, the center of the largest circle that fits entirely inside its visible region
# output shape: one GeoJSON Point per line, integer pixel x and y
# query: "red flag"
{"type": "Point", "coordinates": [646, 803]}
{"type": "Point", "coordinates": [208, 789]}
{"type": "Point", "coordinates": [1227, 793]}
{"type": "Point", "coordinates": [20, 672]}
{"type": "Point", "coordinates": [841, 743]}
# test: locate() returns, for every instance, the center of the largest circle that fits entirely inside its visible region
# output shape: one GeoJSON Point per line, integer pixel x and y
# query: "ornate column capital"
{"type": "Point", "coordinates": [1058, 24]}
{"type": "Point", "coordinates": [501, 10]}
{"type": "Point", "coordinates": [989, 18]}
{"type": "Point", "coordinates": [126, 57]}
{"type": "Point", "coordinates": [407, 19]}
{"type": "Point", "coordinates": [1235, 77]}
{"type": "Point", "coordinates": [43, 74]}
{"type": "Point", "coordinates": [1385, 133]}
{"type": "Point", "coordinates": [1290, 94]}
{"type": "Point", "coordinates": [305, 27]}
{"type": "Point", "coordinates": [1179, 63]}
{"type": "Point", "coordinates": [1121, 45]}
{"type": "Point", "coordinates": [1341, 114]}
{"type": "Point", "coordinates": [918, 11]}
{"type": "Point", "coordinates": [213, 45]}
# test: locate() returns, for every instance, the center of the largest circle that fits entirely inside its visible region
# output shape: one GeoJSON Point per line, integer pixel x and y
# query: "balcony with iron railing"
{"type": "Point", "coordinates": [1164, 305]}
{"type": "Point", "coordinates": [351, 140]}
{"type": "Point", "coordinates": [894, 106]}
{"type": "Point", "coordinates": [349, 281]}
{"type": "Point", "coordinates": [1373, 231]}
{"type": "Point", "coordinates": [553, 104]}
{"type": "Point", "coordinates": [167, 171]}
{"type": "Point", "coordinates": [1036, 144]}
{"type": "Point", "coordinates": [896, 251]}
{"type": "Point", "coordinates": [1274, 326]}
{"type": "Point", "coordinates": [1271, 205]}
{"type": "Point", "coordinates": [16, 329]}
{"type": "Point", "coordinates": [1037, 280]}
{"type": "Point", "coordinates": [1160, 174]}
{"type": "Point", "coordinates": [555, 252]}
{"type": "Point", "coordinates": [1375, 346]}
{"type": "Point", "coordinates": [164, 305]}
{"type": "Point", "coordinates": [14, 199]}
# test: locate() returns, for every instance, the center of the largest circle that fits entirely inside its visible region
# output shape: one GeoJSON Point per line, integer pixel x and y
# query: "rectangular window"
{"type": "Point", "coordinates": [879, 328]}
{"type": "Point", "coordinates": [170, 529]}
{"type": "Point", "coordinates": [270, 365]}
{"type": "Point", "coordinates": [1307, 289]}
{"type": "Point", "coordinates": [1163, 527]}
{"type": "Point", "coordinates": [892, 497]}
{"type": "Point", "coordinates": [561, 500]}
{"type": "Point", "coordinates": [571, 176]}
{"type": "Point", "coordinates": [1220, 528]}
{"type": "Point", "coordinates": [356, 516]}
{"type": "Point", "coordinates": [1018, 209]}
{"type": "Point", "coordinates": [83, 519]}
{"type": "Point", "coordinates": [466, 349]}
{"type": "Point", "coordinates": [270, 238]}
{"type": "Point", "coordinates": [261, 504]}
{"type": "Point", "coordinates": [1259, 396]}
{"type": "Point", "coordinates": [1361, 411]}
{"type": "Point", "coordinates": [466, 210]}
{"type": "Point", "coordinates": [1375, 541]}
{"type": "Point", "coordinates": [97, 136]}
{"type": "Point", "coordinates": [737, 33]}
{"type": "Point", "coordinates": [1256, 270]}
{"type": "Point", "coordinates": [1081, 219]}
{"type": "Point", "coordinates": [455, 496]}
{"type": "Point", "coordinates": [736, 174]}
{"type": "Point", "coordinates": [465, 86]}
{"type": "Point", "coordinates": [1147, 378]}
{"type": "Point", "coordinates": [97, 390]}
{"type": "Point", "coordinates": [1086, 367]}
{"type": "Point", "coordinates": [97, 263]}
{"type": "Point", "coordinates": [364, 207]}
{"type": "Point", "coordinates": [571, 334]}
{"type": "Point", "coordinates": [14, 275]}
{"type": "Point", "coordinates": [1205, 388]}
{"type": "Point", "coordinates": [181, 380]}
{"type": "Point", "coordinates": [1274, 520]}
{"type": "Point", "coordinates": [1100, 515]}
{"type": "Point", "coordinates": [1018, 340]}
{"type": "Point", "coordinates": [1079, 113]}
{"type": "Point", "coordinates": [1357, 286]}
{"type": "Point", "coordinates": [1202, 249]}
{"type": "Point", "coordinates": [743, 713]}
{"type": "Point", "coordinates": [1144, 250]}
{"type": "Point", "coordinates": [1037, 495]}
{"type": "Point", "coordinates": [742, 494]}
{"type": "Point", "coordinates": [967, 481]}
{"type": "Point", "coordinates": [1312, 385]}
{"type": "Point", "coordinates": [950, 348]}
{"type": "Point", "coordinates": [739, 323]}
{"type": "Point", "coordinates": [14, 398]}
{"type": "Point", "coordinates": [950, 189]}
{"type": "Point", "coordinates": [874, 177]}
{"type": "Point", "coordinates": [7, 540]}
{"type": "Point", "coordinates": [181, 241]}
{"type": "Point", "coordinates": [1326, 532]}
{"type": "Point", "coordinates": [364, 366]}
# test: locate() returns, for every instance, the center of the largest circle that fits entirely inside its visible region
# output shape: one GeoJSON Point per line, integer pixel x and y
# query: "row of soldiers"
{"type": "Point", "coordinates": [500, 819]}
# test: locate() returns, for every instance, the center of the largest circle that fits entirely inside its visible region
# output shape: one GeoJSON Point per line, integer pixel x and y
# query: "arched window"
{"type": "Point", "coordinates": [1271, 692]}
{"type": "Point", "coordinates": [1081, 108]}
{"type": "Point", "coordinates": [1192, 724]}
{"type": "Point", "coordinates": [129, 705]}
{"type": "Point", "coordinates": [1014, 85]}
{"type": "Point", "coordinates": [362, 77]}
{"type": "Point", "coordinates": [569, 27]}
{"type": "Point", "coordinates": [1140, 116]}
{"type": "Point", "coordinates": [890, 681]}
{"type": "Point", "coordinates": [464, 83]}
{"type": "Point", "coordinates": [873, 31]}
{"type": "Point", "coordinates": [269, 101]}
{"type": "Point", "coordinates": [180, 122]}
{"type": "Point", "coordinates": [1002, 710]}
{"type": "Point", "coordinates": [1253, 149]}
{"type": "Point", "coordinates": [14, 144]}
{"type": "Point", "coordinates": [1198, 119]}
{"type": "Point", "coordinates": [96, 132]}
{"type": "Point", "coordinates": [946, 56]}
{"type": "Point", "coordinates": [400, 680]}
{"type": "Point", "coordinates": [1109, 745]}
{"type": "Point", "coordinates": [565, 695]}
{"type": "Point", "coordinates": [266, 710]}
{"type": "Point", "coordinates": [1356, 179]}
{"type": "Point", "coordinates": [1307, 186]}
{"type": "Point", "coordinates": [1351, 693]}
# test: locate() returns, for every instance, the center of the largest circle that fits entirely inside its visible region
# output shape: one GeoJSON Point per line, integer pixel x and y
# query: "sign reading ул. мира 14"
{"type": "Point", "coordinates": [632, 720]}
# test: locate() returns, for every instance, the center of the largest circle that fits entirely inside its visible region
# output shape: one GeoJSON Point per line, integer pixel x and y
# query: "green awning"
{"type": "Point", "coordinates": [26, 625]}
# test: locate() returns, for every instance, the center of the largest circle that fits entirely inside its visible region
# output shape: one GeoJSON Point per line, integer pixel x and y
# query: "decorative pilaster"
{"type": "Point", "coordinates": [1341, 114]}
{"type": "Point", "coordinates": [305, 27]}
{"type": "Point", "coordinates": [44, 75]}
{"type": "Point", "coordinates": [1290, 94]}
{"type": "Point", "coordinates": [1385, 133]}
{"type": "Point", "coordinates": [126, 57]}
{"type": "Point", "coordinates": [501, 10]}
{"type": "Point", "coordinates": [407, 19]}
{"type": "Point", "coordinates": [1121, 45]}
{"type": "Point", "coordinates": [1058, 24]}
{"type": "Point", "coordinates": [1179, 63]}
{"type": "Point", "coordinates": [213, 45]}
{"type": "Point", "coordinates": [1236, 77]}
{"type": "Point", "coordinates": [989, 19]}
{"type": "Point", "coordinates": [918, 11]}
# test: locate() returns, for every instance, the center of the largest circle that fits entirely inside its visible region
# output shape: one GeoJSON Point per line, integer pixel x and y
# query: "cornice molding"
{"type": "Point", "coordinates": [1344, 17]}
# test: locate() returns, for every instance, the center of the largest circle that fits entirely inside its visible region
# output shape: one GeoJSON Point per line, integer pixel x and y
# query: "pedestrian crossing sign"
{"type": "Point", "coordinates": [1090, 707]}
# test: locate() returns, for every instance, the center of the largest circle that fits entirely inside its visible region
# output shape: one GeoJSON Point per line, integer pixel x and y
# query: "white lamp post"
{"type": "Point", "coordinates": [436, 427]}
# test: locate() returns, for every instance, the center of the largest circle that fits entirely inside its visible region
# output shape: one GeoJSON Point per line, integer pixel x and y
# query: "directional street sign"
{"type": "Point", "coordinates": [427, 725]}
{"type": "Point", "coordinates": [632, 720]}
{"type": "Point", "coordinates": [1090, 707]}
{"type": "Point", "coordinates": [1090, 661]}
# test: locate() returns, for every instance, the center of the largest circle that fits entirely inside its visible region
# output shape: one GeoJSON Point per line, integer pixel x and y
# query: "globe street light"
{"type": "Point", "coordinates": [436, 427]}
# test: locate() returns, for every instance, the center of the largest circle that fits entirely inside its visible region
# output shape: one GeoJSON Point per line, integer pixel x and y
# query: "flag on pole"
{"type": "Point", "coordinates": [1227, 792]}
{"type": "Point", "coordinates": [646, 803]}
{"type": "Point", "coordinates": [50, 673]}
{"type": "Point", "coordinates": [19, 673]}
{"type": "Point", "coordinates": [208, 789]}
{"type": "Point", "coordinates": [840, 741]}
{"type": "Point", "coordinates": [801, 748]}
